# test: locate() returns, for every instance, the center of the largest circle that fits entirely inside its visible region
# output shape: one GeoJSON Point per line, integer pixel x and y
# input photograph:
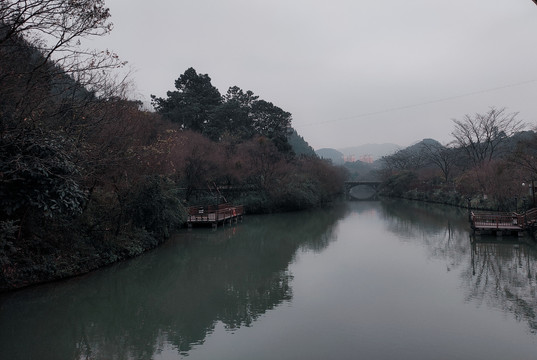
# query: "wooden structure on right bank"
{"type": "Point", "coordinates": [503, 223]}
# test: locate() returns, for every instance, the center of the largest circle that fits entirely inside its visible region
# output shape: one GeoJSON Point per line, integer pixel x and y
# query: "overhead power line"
{"type": "Point", "coordinates": [404, 107]}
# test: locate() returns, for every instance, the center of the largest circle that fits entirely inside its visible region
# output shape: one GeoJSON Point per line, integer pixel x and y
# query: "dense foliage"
{"type": "Point", "coordinates": [198, 106]}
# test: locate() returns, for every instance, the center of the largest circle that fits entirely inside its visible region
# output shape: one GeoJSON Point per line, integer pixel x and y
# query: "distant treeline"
{"type": "Point", "coordinates": [491, 163]}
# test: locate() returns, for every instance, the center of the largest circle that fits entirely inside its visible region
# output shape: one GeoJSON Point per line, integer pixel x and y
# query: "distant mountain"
{"type": "Point", "coordinates": [330, 154]}
{"type": "Point", "coordinates": [375, 150]}
{"type": "Point", "coordinates": [420, 145]}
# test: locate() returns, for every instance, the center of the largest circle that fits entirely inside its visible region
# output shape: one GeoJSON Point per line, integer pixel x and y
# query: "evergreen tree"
{"type": "Point", "coordinates": [193, 104]}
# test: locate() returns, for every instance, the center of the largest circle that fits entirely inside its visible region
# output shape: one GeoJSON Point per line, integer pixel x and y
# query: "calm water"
{"type": "Point", "coordinates": [364, 280]}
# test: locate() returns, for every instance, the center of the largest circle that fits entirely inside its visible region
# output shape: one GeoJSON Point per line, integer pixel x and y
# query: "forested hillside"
{"type": "Point", "coordinates": [88, 178]}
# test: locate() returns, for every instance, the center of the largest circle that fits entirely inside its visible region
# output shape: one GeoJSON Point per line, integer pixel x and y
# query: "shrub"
{"type": "Point", "coordinates": [154, 205]}
{"type": "Point", "coordinates": [398, 184]}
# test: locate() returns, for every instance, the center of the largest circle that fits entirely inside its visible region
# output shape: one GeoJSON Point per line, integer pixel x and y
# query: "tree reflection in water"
{"type": "Point", "coordinates": [173, 296]}
{"type": "Point", "coordinates": [499, 272]}
{"type": "Point", "coordinates": [502, 274]}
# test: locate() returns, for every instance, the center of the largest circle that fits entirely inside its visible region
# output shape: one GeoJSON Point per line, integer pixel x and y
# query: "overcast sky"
{"type": "Point", "coordinates": [351, 72]}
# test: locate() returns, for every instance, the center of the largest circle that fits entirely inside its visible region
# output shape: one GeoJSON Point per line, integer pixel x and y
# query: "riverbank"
{"type": "Point", "coordinates": [453, 198]}
{"type": "Point", "coordinates": [91, 241]}
{"type": "Point", "coordinates": [40, 260]}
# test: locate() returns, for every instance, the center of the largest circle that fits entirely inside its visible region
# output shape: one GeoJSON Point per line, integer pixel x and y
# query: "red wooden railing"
{"type": "Point", "coordinates": [213, 213]}
{"type": "Point", "coordinates": [505, 220]}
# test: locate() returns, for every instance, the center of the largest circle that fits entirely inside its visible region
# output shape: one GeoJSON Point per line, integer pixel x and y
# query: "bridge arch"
{"type": "Point", "coordinates": [373, 185]}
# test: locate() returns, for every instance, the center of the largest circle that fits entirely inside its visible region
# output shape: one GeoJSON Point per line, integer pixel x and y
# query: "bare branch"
{"type": "Point", "coordinates": [42, 62]}
{"type": "Point", "coordinates": [482, 135]}
{"type": "Point", "coordinates": [441, 156]}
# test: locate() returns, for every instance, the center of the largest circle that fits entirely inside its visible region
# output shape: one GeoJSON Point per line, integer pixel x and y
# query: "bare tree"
{"type": "Point", "coordinates": [442, 157]}
{"type": "Point", "coordinates": [411, 158]}
{"type": "Point", "coordinates": [481, 135]}
{"type": "Point", "coordinates": [55, 26]}
{"type": "Point", "coordinates": [44, 36]}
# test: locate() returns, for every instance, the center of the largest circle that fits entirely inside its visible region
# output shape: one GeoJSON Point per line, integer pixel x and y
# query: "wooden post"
{"type": "Point", "coordinates": [469, 211]}
{"type": "Point", "coordinates": [533, 191]}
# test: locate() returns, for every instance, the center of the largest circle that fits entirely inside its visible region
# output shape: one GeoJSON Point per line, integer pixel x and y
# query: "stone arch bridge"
{"type": "Point", "coordinates": [372, 185]}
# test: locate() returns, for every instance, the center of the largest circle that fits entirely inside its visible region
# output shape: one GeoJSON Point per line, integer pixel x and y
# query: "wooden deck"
{"type": "Point", "coordinates": [503, 222]}
{"type": "Point", "coordinates": [214, 215]}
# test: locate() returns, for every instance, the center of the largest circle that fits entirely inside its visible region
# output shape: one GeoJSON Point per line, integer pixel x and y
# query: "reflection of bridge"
{"type": "Point", "coordinates": [374, 185]}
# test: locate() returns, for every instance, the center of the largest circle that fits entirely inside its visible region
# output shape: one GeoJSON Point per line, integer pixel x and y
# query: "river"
{"type": "Point", "coordinates": [361, 280]}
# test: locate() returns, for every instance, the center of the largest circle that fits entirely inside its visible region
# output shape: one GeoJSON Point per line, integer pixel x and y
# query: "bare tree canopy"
{"type": "Point", "coordinates": [59, 20]}
{"type": "Point", "coordinates": [441, 156]}
{"type": "Point", "coordinates": [44, 68]}
{"type": "Point", "coordinates": [481, 135]}
{"type": "Point", "coordinates": [55, 28]}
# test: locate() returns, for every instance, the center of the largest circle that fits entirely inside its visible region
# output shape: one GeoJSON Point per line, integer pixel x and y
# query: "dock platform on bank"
{"type": "Point", "coordinates": [214, 215]}
{"type": "Point", "coordinates": [502, 223]}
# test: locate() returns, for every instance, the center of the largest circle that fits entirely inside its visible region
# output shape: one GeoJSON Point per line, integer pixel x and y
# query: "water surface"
{"type": "Point", "coordinates": [371, 280]}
